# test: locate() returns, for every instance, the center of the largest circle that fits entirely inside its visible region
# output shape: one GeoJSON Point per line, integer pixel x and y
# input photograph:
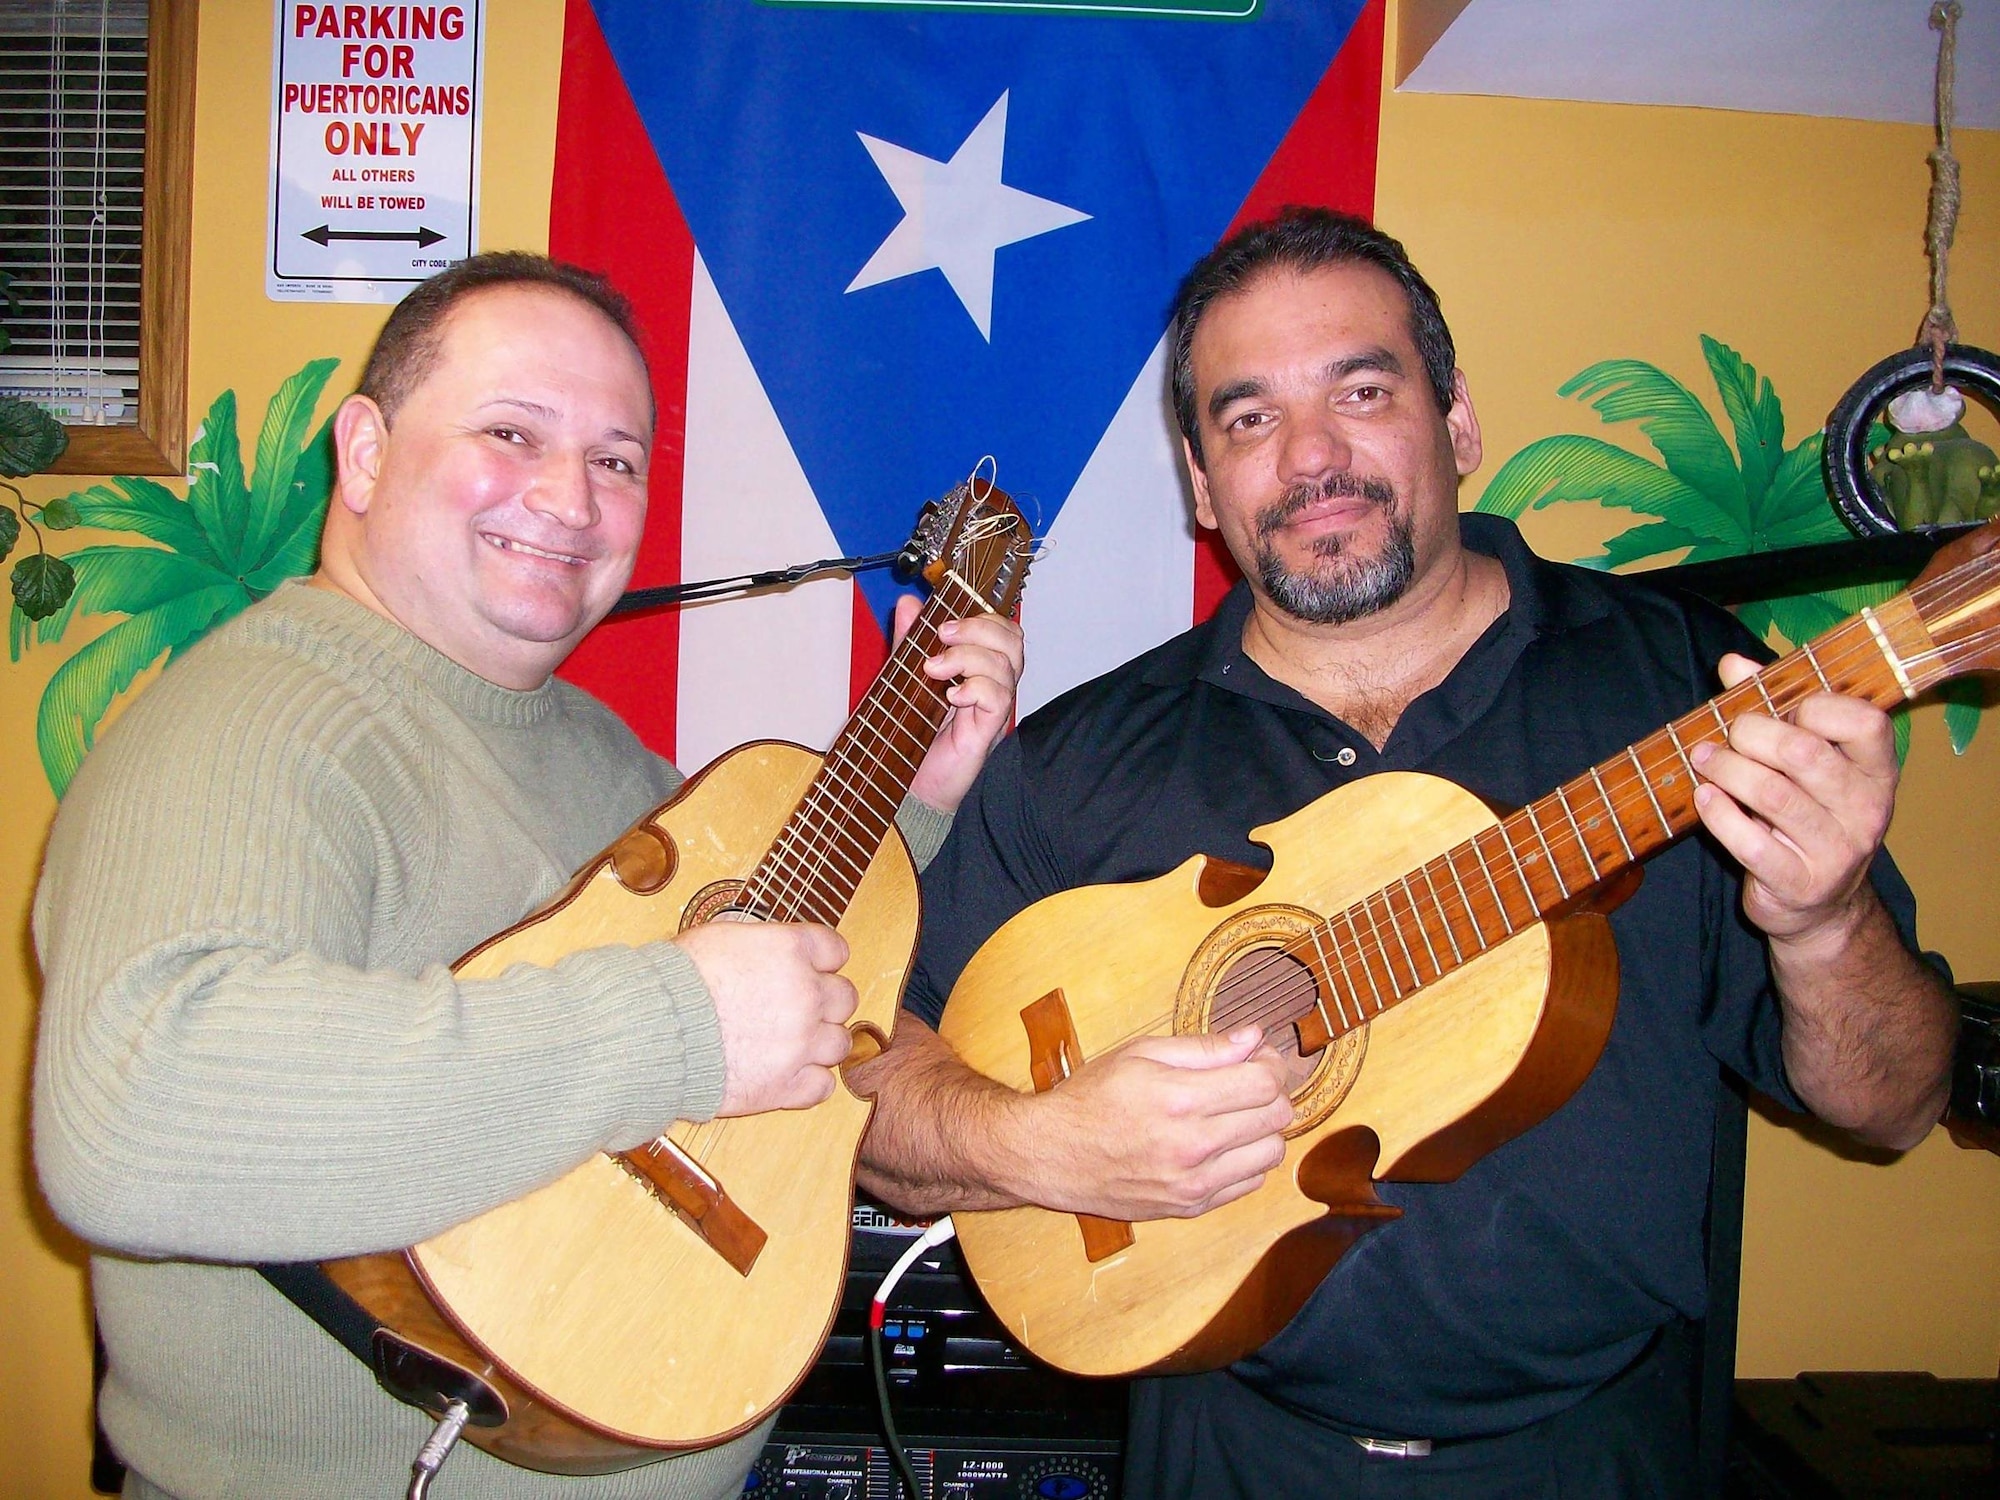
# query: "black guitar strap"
{"type": "Point", "coordinates": [314, 1293]}
{"type": "Point", "coordinates": [406, 1370]}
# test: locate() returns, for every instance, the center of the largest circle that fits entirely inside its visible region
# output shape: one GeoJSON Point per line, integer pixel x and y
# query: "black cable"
{"type": "Point", "coordinates": [896, 1452]}
{"type": "Point", "coordinates": [710, 588]}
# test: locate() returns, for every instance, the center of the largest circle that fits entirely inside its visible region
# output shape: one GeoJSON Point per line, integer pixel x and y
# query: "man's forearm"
{"type": "Point", "coordinates": [939, 1141]}
{"type": "Point", "coordinates": [1868, 1028]}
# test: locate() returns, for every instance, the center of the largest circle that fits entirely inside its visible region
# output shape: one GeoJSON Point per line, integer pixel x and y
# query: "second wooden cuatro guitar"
{"type": "Point", "coordinates": [1449, 973]}
{"type": "Point", "coordinates": [672, 1296]}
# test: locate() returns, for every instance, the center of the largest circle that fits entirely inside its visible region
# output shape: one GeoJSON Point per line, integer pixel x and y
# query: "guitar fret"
{"type": "Point", "coordinates": [1326, 964]}
{"type": "Point", "coordinates": [1612, 813]}
{"type": "Point", "coordinates": [1673, 735]}
{"type": "Point", "coordinates": [1395, 927]}
{"type": "Point", "coordinates": [1647, 782]}
{"type": "Point", "coordinates": [1888, 652]}
{"type": "Point", "coordinates": [1813, 660]}
{"type": "Point", "coordinates": [1720, 723]}
{"type": "Point", "coordinates": [1576, 828]}
{"type": "Point", "coordinates": [1499, 905]}
{"type": "Point", "coordinates": [1367, 969]}
{"type": "Point", "coordinates": [1411, 897]}
{"type": "Point", "coordinates": [1769, 707]}
{"type": "Point", "coordinates": [1520, 874]}
{"type": "Point", "coordinates": [1548, 854]}
{"type": "Point", "coordinates": [1388, 959]}
{"type": "Point", "coordinates": [1457, 957]}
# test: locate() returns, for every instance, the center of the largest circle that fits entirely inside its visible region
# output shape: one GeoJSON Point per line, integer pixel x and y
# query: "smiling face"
{"type": "Point", "coordinates": [1330, 472]}
{"type": "Point", "coordinates": [497, 517]}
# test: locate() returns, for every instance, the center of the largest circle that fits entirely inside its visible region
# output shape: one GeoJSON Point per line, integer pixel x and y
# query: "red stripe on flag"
{"type": "Point", "coordinates": [869, 648]}
{"type": "Point", "coordinates": [624, 223]}
{"type": "Point", "coordinates": [1327, 157]}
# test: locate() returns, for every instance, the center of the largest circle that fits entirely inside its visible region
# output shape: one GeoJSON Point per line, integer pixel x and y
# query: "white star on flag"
{"type": "Point", "coordinates": [956, 214]}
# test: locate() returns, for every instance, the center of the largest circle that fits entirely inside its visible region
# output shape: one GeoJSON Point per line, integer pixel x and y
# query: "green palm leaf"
{"type": "Point", "coordinates": [1754, 411]}
{"type": "Point", "coordinates": [293, 544]}
{"type": "Point", "coordinates": [216, 492]}
{"type": "Point", "coordinates": [1963, 700]}
{"type": "Point", "coordinates": [1649, 540]}
{"type": "Point", "coordinates": [149, 510]}
{"type": "Point", "coordinates": [1568, 467]}
{"type": "Point", "coordinates": [225, 546]}
{"type": "Point", "coordinates": [1798, 492]}
{"type": "Point", "coordinates": [125, 580]}
{"type": "Point", "coordinates": [1630, 390]}
{"type": "Point", "coordinates": [279, 443]}
{"type": "Point", "coordinates": [83, 687]}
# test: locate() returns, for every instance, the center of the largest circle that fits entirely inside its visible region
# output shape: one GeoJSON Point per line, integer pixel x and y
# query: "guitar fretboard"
{"type": "Point", "coordinates": [812, 870]}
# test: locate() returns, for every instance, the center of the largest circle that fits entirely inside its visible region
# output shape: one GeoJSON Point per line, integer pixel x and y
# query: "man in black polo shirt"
{"type": "Point", "coordinates": [1518, 1321]}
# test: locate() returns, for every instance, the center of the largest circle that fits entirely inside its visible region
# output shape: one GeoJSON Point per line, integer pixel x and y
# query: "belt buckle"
{"type": "Point", "coordinates": [1395, 1447]}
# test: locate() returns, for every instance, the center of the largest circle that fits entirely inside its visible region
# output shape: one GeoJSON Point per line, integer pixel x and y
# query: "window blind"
{"type": "Point", "coordinates": [72, 159]}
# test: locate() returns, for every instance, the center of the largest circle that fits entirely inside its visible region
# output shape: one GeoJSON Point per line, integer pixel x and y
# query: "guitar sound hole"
{"type": "Point", "coordinates": [1267, 987]}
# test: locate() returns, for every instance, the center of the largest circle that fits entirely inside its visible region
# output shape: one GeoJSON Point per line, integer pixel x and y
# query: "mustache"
{"type": "Point", "coordinates": [1335, 487]}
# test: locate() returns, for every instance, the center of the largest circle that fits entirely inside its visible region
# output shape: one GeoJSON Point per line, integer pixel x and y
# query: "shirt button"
{"type": "Point", "coordinates": [1347, 756]}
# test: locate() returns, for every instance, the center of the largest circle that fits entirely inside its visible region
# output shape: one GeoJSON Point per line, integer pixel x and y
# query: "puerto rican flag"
{"type": "Point", "coordinates": [874, 243]}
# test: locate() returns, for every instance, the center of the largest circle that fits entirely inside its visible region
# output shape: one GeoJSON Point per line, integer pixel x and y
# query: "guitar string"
{"type": "Point", "coordinates": [799, 859]}
{"type": "Point", "coordinates": [798, 888]}
{"type": "Point", "coordinates": [1278, 992]}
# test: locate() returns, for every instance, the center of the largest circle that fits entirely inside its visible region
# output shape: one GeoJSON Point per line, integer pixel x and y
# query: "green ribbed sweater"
{"type": "Point", "coordinates": [252, 1050]}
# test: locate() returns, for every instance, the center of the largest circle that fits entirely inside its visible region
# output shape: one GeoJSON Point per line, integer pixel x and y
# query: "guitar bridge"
{"type": "Point", "coordinates": [1053, 1051]}
{"type": "Point", "coordinates": [698, 1201]}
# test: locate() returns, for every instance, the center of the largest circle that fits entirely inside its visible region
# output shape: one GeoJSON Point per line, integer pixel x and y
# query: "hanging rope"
{"type": "Point", "coordinates": [1939, 327]}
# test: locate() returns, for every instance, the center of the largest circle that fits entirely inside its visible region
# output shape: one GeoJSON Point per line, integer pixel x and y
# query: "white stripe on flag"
{"type": "Point", "coordinates": [1118, 576]}
{"type": "Point", "coordinates": [776, 665]}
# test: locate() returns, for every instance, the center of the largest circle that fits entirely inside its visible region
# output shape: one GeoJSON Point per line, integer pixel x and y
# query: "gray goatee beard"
{"type": "Point", "coordinates": [1340, 588]}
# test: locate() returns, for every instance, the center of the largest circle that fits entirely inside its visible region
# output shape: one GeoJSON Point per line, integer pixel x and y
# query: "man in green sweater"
{"type": "Point", "coordinates": [252, 1048]}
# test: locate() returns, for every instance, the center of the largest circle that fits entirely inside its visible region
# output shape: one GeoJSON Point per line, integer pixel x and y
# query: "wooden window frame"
{"type": "Point", "coordinates": [158, 444]}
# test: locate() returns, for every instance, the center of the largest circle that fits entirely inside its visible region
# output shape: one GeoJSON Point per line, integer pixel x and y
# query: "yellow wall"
{"type": "Point", "coordinates": [1557, 234]}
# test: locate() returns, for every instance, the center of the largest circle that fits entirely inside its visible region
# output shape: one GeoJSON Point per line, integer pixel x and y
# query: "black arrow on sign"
{"type": "Point", "coordinates": [420, 237]}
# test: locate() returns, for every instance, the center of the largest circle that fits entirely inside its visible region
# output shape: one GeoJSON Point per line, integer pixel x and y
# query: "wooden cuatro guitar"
{"type": "Point", "coordinates": [672, 1296]}
{"type": "Point", "coordinates": [1451, 969]}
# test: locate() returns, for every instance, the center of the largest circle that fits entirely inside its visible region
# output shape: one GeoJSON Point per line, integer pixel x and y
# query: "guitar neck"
{"type": "Point", "coordinates": [812, 869]}
{"type": "Point", "coordinates": [1555, 853]}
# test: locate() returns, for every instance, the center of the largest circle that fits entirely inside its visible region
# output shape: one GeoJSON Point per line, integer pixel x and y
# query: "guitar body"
{"type": "Point", "coordinates": [627, 1331]}
{"type": "Point", "coordinates": [1418, 1093]}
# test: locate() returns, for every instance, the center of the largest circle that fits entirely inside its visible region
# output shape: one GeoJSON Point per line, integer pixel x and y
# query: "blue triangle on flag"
{"type": "Point", "coordinates": [1065, 169]}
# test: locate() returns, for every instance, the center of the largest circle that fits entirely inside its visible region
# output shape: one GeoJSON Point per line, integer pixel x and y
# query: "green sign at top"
{"type": "Point", "coordinates": [1191, 10]}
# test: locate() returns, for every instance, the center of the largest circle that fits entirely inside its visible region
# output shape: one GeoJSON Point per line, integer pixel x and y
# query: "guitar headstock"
{"type": "Point", "coordinates": [978, 536]}
{"type": "Point", "coordinates": [1958, 596]}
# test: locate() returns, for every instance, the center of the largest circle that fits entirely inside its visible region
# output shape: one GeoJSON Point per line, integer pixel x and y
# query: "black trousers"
{"type": "Point", "coordinates": [1210, 1437]}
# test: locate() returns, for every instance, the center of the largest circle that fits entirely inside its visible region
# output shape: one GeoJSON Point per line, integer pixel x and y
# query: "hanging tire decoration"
{"type": "Point", "coordinates": [1917, 480]}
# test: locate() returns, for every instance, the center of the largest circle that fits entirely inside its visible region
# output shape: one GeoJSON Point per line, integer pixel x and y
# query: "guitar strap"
{"type": "Point", "coordinates": [314, 1293]}
{"type": "Point", "coordinates": [406, 1370]}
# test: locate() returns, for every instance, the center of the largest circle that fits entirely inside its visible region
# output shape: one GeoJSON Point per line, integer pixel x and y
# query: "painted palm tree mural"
{"type": "Point", "coordinates": [205, 558]}
{"type": "Point", "coordinates": [1706, 499]}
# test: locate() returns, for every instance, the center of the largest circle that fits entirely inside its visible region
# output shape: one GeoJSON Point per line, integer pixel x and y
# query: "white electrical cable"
{"type": "Point", "coordinates": [930, 1239]}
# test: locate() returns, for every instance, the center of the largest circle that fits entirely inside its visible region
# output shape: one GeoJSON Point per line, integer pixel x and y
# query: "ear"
{"type": "Point", "coordinates": [1204, 510]}
{"type": "Point", "coordinates": [360, 443]}
{"type": "Point", "coordinates": [1463, 424]}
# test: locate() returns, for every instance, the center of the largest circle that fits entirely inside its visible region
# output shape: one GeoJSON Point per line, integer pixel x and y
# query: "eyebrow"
{"type": "Point", "coordinates": [1381, 359]}
{"type": "Point", "coordinates": [549, 413]}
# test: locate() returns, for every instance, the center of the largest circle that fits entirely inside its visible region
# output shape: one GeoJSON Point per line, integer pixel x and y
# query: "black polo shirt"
{"type": "Point", "coordinates": [1509, 1294]}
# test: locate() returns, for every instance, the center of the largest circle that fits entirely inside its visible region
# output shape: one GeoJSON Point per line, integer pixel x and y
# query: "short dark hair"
{"type": "Point", "coordinates": [407, 347]}
{"type": "Point", "coordinates": [1303, 239]}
